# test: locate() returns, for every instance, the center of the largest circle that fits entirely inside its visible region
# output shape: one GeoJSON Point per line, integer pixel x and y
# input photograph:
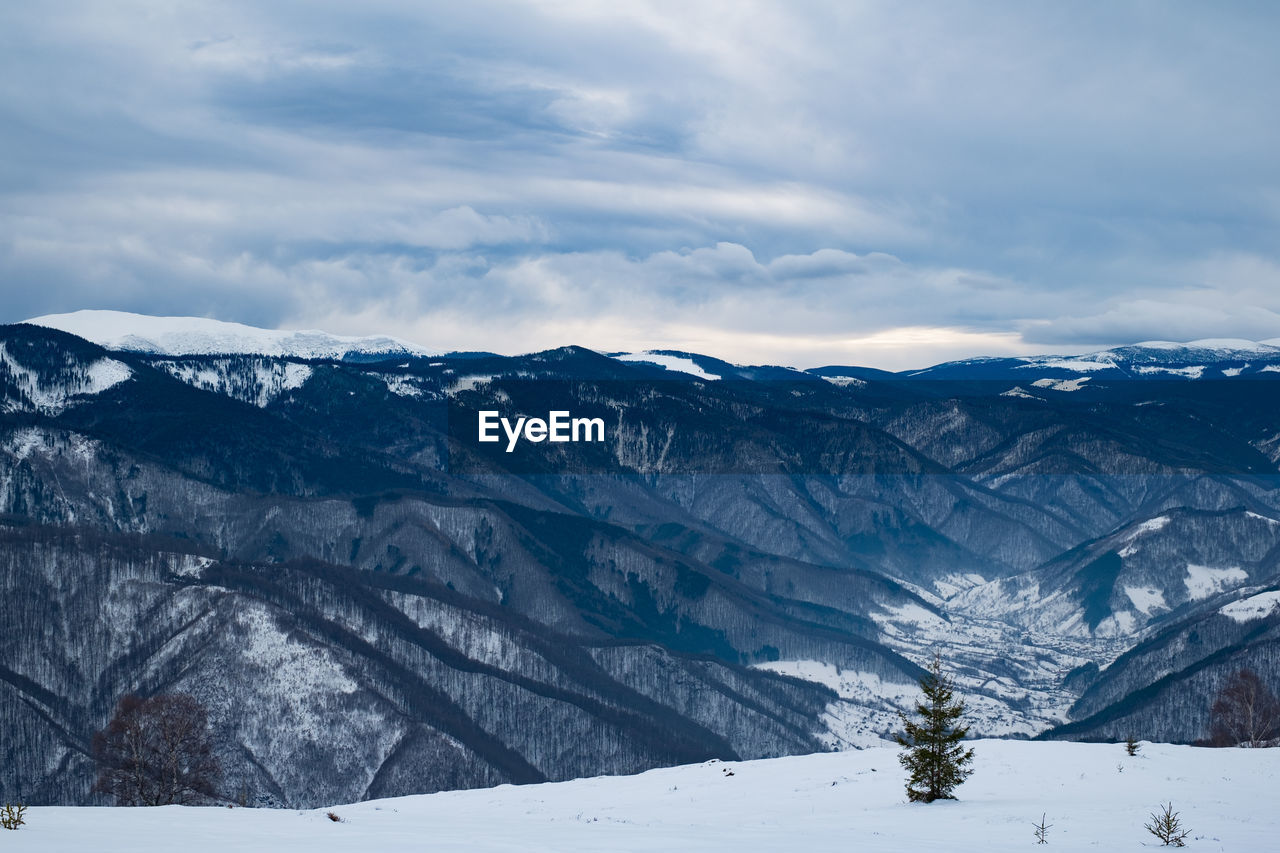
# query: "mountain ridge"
{"type": "Point", "coordinates": [187, 336]}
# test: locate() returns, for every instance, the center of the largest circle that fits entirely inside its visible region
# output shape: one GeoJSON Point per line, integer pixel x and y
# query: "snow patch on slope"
{"type": "Point", "coordinates": [402, 386]}
{"type": "Point", "coordinates": [1194, 372]}
{"type": "Point", "coordinates": [1062, 384]}
{"type": "Point", "coordinates": [1019, 391]}
{"type": "Point", "coordinates": [258, 384]}
{"type": "Point", "coordinates": [868, 705]}
{"type": "Point", "coordinates": [1151, 525]}
{"type": "Point", "coordinates": [1146, 600]}
{"type": "Point", "coordinates": [52, 396]}
{"type": "Point", "coordinates": [474, 636]}
{"type": "Point", "coordinates": [1118, 624]}
{"type": "Point", "coordinates": [26, 442]}
{"type": "Point", "coordinates": [106, 373]}
{"type": "Point", "coordinates": [911, 615]}
{"type": "Point", "coordinates": [1257, 606]}
{"type": "Point", "coordinates": [189, 565]}
{"type": "Point", "coordinates": [301, 677]}
{"type": "Point", "coordinates": [846, 381]}
{"type": "Point", "coordinates": [1203, 581]}
{"type": "Point", "coordinates": [21, 443]}
{"type": "Point", "coordinates": [955, 584]}
{"type": "Point", "coordinates": [469, 383]}
{"type": "Point", "coordinates": [668, 362]}
{"type": "Point", "coordinates": [1080, 365]}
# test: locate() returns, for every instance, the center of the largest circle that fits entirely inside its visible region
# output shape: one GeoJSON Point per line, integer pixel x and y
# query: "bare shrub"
{"type": "Point", "coordinates": [1244, 713]}
{"type": "Point", "coordinates": [11, 815]}
{"type": "Point", "coordinates": [156, 751]}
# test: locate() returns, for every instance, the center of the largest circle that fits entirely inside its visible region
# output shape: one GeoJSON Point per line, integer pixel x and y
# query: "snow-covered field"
{"type": "Point", "coordinates": [1094, 796]}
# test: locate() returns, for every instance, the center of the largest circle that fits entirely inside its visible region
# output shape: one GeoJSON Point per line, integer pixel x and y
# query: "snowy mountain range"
{"type": "Point", "coordinates": [1205, 359]}
{"type": "Point", "coordinates": [186, 336]}
{"type": "Point", "coordinates": [301, 530]}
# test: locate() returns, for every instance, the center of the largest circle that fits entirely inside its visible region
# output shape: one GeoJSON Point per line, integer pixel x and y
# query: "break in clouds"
{"type": "Point", "coordinates": [797, 183]}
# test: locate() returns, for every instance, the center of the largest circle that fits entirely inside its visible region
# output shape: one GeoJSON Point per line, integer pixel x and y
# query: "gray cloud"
{"type": "Point", "coordinates": [800, 182]}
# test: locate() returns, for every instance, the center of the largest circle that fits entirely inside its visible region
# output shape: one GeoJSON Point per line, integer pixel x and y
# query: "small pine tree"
{"type": "Point", "coordinates": [934, 758]}
{"type": "Point", "coordinates": [1167, 826]}
{"type": "Point", "coordinates": [1042, 830]}
{"type": "Point", "coordinates": [1131, 745]}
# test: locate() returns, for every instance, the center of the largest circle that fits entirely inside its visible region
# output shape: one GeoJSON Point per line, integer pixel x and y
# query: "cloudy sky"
{"type": "Point", "coordinates": [891, 184]}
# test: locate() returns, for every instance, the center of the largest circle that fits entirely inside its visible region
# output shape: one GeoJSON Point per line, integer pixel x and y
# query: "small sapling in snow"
{"type": "Point", "coordinates": [11, 815]}
{"type": "Point", "coordinates": [1042, 830]}
{"type": "Point", "coordinates": [1167, 826]}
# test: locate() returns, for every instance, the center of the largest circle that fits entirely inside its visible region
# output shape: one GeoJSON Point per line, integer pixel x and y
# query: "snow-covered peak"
{"type": "Point", "coordinates": [1224, 345]}
{"type": "Point", "coordinates": [178, 336]}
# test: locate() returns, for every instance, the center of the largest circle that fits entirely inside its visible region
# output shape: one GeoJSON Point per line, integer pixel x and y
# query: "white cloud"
{"type": "Point", "coordinates": [731, 306]}
{"type": "Point", "coordinates": [819, 181]}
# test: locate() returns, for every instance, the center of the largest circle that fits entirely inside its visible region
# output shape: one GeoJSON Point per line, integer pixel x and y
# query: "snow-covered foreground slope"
{"type": "Point", "coordinates": [1094, 796]}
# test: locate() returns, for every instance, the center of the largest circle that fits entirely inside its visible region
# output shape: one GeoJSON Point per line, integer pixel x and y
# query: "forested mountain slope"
{"type": "Point", "coordinates": [370, 602]}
